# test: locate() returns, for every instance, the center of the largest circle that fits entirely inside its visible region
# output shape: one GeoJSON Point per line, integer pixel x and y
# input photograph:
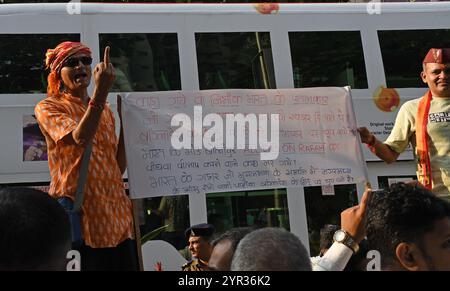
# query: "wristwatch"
{"type": "Point", "coordinates": [341, 236]}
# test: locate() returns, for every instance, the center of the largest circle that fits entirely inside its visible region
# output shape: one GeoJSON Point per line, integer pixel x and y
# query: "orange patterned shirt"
{"type": "Point", "coordinates": [107, 218]}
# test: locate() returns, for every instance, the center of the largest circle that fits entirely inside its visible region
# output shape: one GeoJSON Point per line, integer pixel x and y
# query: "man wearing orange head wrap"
{"type": "Point", "coordinates": [425, 123]}
{"type": "Point", "coordinates": [70, 119]}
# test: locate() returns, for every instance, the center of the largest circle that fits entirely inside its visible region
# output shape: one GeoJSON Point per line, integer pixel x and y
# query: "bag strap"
{"type": "Point", "coordinates": [82, 177]}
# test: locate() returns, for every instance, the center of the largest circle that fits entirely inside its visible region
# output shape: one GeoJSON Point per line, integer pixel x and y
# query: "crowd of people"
{"type": "Point", "coordinates": [407, 224]}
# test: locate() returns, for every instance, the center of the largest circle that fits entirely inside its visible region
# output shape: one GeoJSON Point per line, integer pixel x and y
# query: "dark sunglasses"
{"type": "Point", "coordinates": [73, 62]}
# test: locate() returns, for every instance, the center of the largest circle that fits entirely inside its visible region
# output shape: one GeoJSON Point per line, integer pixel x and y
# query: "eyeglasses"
{"type": "Point", "coordinates": [73, 62]}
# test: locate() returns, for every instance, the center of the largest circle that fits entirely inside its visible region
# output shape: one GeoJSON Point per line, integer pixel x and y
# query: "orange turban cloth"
{"type": "Point", "coordinates": [55, 58]}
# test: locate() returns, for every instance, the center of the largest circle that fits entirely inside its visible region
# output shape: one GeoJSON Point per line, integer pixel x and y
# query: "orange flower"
{"type": "Point", "coordinates": [386, 99]}
{"type": "Point", "coordinates": [267, 8]}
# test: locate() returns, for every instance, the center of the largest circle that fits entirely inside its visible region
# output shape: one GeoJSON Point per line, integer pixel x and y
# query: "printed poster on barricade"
{"type": "Point", "coordinates": [181, 142]}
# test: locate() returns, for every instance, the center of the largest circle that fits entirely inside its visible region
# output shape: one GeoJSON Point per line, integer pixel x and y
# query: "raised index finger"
{"type": "Point", "coordinates": [365, 198]}
{"type": "Point", "coordinates": [106, 55]}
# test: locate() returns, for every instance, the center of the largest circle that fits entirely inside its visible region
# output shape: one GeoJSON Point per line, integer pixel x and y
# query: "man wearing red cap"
{"type": "Point", "coordinates": [425, 123]}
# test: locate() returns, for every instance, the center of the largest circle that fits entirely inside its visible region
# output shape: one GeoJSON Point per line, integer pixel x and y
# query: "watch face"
{"type": "Point", "coordinates": [339, 235]}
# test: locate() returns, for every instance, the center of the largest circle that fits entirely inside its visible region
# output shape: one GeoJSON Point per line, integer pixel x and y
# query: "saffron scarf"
{"type": "Point", "coordinates": [424, 164]}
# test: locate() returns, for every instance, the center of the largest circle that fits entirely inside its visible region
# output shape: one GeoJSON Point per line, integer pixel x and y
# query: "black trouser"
{"type": "Point", "coordinates": [121, 258]}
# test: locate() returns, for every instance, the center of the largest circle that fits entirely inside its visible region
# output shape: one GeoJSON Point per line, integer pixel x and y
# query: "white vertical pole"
{"type": "Point", "coordinates": [188, 60]}
{"type": "Point", "coordinates": [197, 208]}
{"type": "Point", "coordinates": [297, 214]}
{"type": "Point", "coordinates": [282, 61]}
{"type": "Point", "coordinates": [359, 186]}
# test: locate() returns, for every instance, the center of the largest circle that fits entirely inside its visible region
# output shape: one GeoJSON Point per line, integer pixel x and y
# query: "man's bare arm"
{"type": "Point", "coordinates": [380, 149]}
{"type": "Point", "coordinates": [104, 78]}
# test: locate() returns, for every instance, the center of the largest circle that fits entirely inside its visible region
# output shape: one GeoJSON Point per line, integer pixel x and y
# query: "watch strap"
{"type": "Point", "coordinates": [348, 241]}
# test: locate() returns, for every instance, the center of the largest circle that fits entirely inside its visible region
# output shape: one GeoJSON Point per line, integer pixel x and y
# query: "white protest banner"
{"type": "Point", "coordinates": [240, 140]}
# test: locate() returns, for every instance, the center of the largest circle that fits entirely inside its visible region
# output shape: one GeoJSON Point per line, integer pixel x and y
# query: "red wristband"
{"type": "Point", "coordinates": [374, 140]}
{"type": "Point", "coordinates": [96, 105]}
{"type": "Point", "coordinates": [371, 148]}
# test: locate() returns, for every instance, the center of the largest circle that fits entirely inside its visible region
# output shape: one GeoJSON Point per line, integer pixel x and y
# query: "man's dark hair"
{"type": "Point", "coordinates": [326, 235]}
{"type": "Point", "coordinates": [34, 231]}
{"type": "Point", "coordinates": [233, 235]}
{"type": "Point", "coordinates": [271, 249]}
{"type": "Point", "coordinates": [402, 213]}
